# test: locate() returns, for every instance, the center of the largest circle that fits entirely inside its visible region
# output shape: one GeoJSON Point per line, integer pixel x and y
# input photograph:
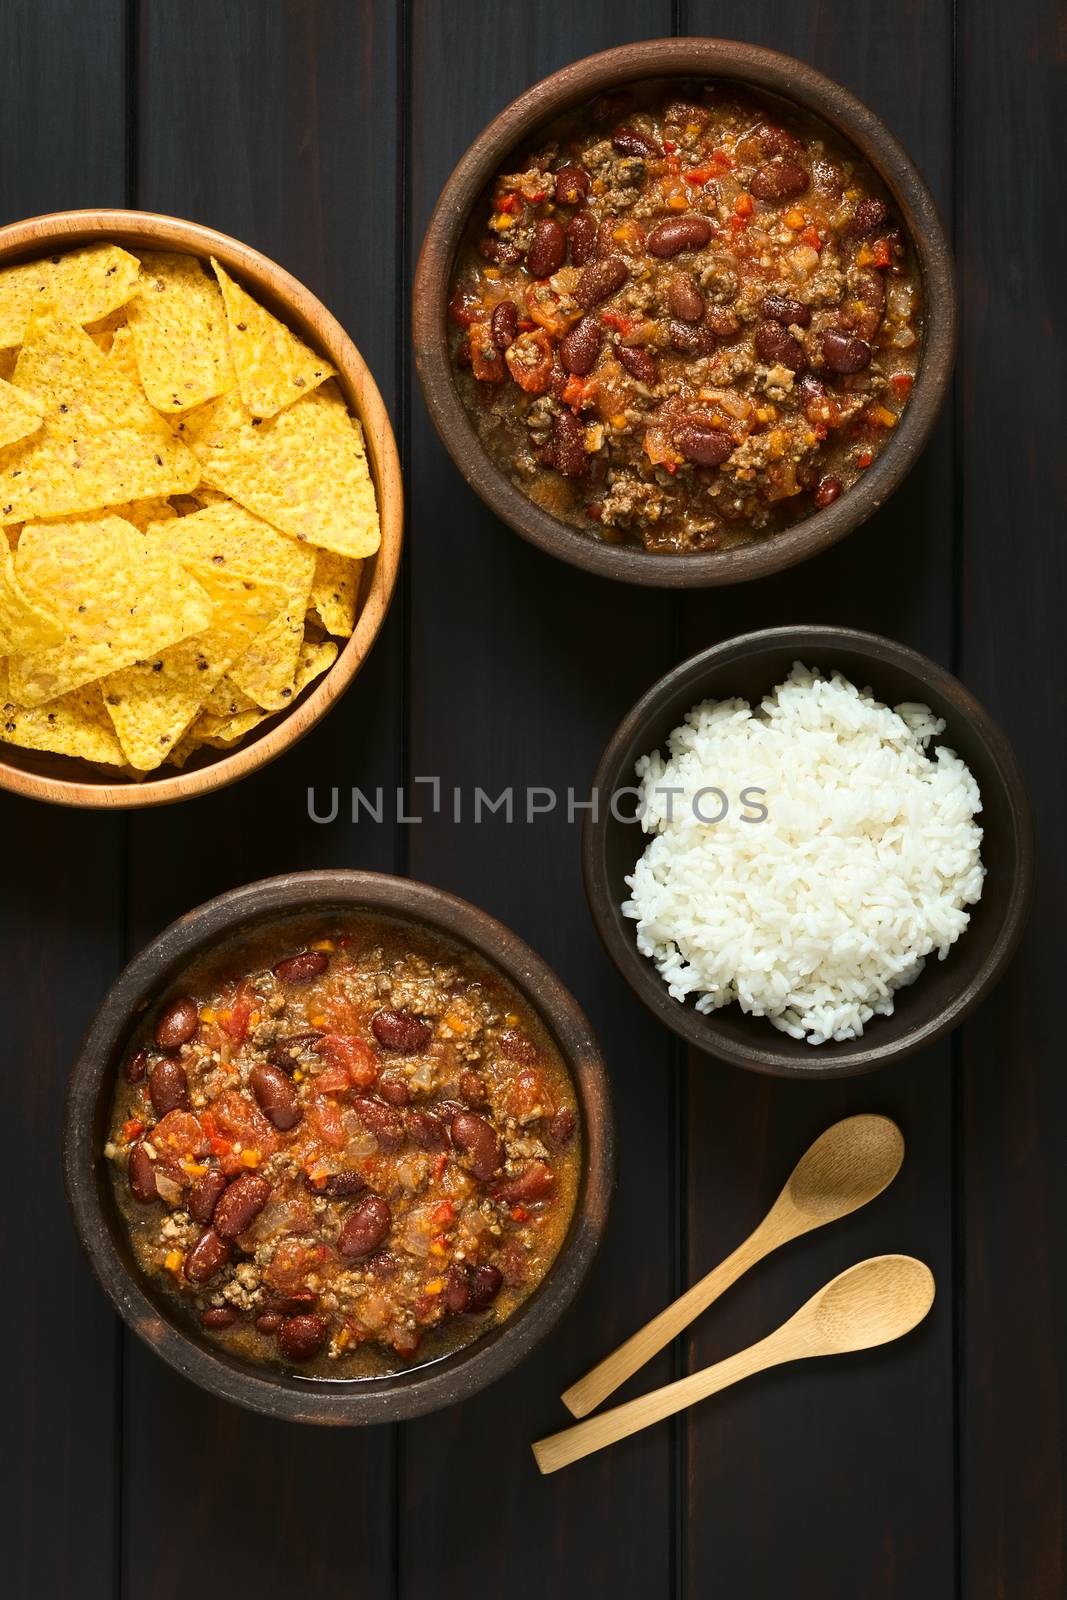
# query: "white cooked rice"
{"type": "Point", "coordinates": [814, 916]}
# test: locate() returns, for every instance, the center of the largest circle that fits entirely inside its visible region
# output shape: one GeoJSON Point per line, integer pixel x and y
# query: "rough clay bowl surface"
{"type": "Point", "coordinates": [102, 1233]}
{"type": "Point", "coordinates": [65, 781]}
{"type": "Point", "coordinates": [947, 991]}
{"type": "Point", "coordinates": [745, 65]}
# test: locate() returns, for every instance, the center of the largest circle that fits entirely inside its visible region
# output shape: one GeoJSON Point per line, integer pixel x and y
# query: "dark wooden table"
{"type": "Point", "coordinates": [321, 131]}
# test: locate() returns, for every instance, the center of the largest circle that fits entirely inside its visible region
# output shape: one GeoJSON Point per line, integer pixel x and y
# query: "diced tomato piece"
{"type": "Point", "coordinates": [179, 1137]}
{"type": "Point", "coordinates": [291, 1265]}
{"type": "Point", "coordinates": [244, 1123]}
{"type": "Point", "coordinates": [131, 1128]}
{"type": "Point", "coordinates": [352, 1063]}
{"type": "Point", "coordinates": [325, 1118]}
{"type": "Point", "coordinates": [487, 363]}
{"type": "Point", "coordinates": [526, 1096]}
{"type": "Point", "coordinates": [234, 1020]}
{"type": "Point", "coordinates": [443, 1213]}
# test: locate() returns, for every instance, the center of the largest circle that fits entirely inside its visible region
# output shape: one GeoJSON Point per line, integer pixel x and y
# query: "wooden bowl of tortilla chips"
{"type": "Point", "coordinates": [201, 506]}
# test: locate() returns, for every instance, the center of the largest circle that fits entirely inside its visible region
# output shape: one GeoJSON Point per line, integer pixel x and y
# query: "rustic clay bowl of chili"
{"type": "Point", "coordinates": [157, 1315]}
{"type": "Point", "coordinates": [946, 991]}
{"type": "Point", "coordinates": [67, 780]}
{"type": "Point", "coordinates": [799, 94]}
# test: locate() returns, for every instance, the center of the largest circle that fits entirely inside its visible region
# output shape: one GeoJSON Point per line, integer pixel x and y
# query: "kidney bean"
{"type": "Point", "coordinates": [400, 1031]}
{"type": "Point", "coordinates": [500, 251]}
{"type": "Point", "coordinates": [337, 1185]}
{"type": "Point", "coordinates": [218, 1317]}
{"type": "Point", "coordinates": [684, 299]}
{"type": "Point", "coordinates": [843, 353]}
{"type": "Point", "coordinates": [671, 237]}
{"type": "Point", "coordinates": [580, 347]}
{"type": "Point", "coordinates": [534, 1182]}
{"type": "Point", "coordinates": [572, 186]}
{"type": "Point", "coordinates": [302, 968]}
{"type": "Point", "coordinates": [477, 1140]}
{"type": "Point", "coordinates": [241, 1204]}
{"type": "Point", "coordinates": [690, 339]}
{"type": "Point", "coordinates": [862, 311]}
{"type": "Point", "coordinates": [812, 395]}
{"type": "Point", "coordinates": [485, 1285]}
{"type": "Point", "coordinates": [168, 1087]}
{"type": "Point", "coordinates": [386, 1124]}
{"type": "Point", "coordinates": [681, 112]}
{"type": "Point", "coordinates": [473, 1090]}
{"type": "Point", "coordinates": [566, 446]}
{"type": "Point", "coordinates": [382, 1265]}
{"type": "Point", "coordinates": [504, 323]}
{"type": "Point", "coordinates": [780, 308]}
{"type": "Point", "coordinates": [300, 1338]}
{"type": "Point", "coordinates": [776, 141]}
{"type": "Point", "coordinates": [177, 1023]}
{"type": "Point", "coordinates": [826, 491]}
{"type": "Point", "coordinates": [517, 1045]}
{"type": "Point", "coordinates": [210, 1252]}
{"type": "Point", "coordinates": [869, 216]}
{"type": "Point", "coordinates": [776, 346]}
{"type": "Point", "coordinates": [548, 248]}
{"type": "Point", "coordinates": [269, 1321]}
{"type": "Point", "coordinates": [724, 324]}
{"type": "Point", "coordinates": [582, 237]}
{"type": "Point", "coordinates": [639, 363]}
{"type": "Point", "coordinates": [703, 444]}
{"type": "Point", "coordinates": [204, 1196]}
{"type": "Point", "coordinates": [285, 1053]}
{"type": "Point", "coordinates": [561, 1128]}
{"type": "Point", "coordinates": [608, 108]}
{"type": "Point", "coordinates": [394, 1091]}
{"type": "Point", "coordinates": [136, 1067]}
{"type": "Point", "coordinates": [366, 1228]}
{"type": "Point", "coordinates": [600, 280]}
{"type": "Point", "coordinates": [632, 142]}
{"type": "Point", "coordinates": [778, 179]}
{"type": "Point", "coordinates": [141, 1171]}
{"type": "Point", "coordinates": [457, 1290]}
{"type": "Point", "coordinates": [426, 1130]}
{"type": "Point", "coordinates": [276, 1096]}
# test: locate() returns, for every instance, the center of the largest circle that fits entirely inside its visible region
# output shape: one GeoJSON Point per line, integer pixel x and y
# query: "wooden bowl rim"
{"type": "Point", "coordinates": [145, 979]}
{"type": "Point", "coordinates": [152, 230]}
{"type": "Point", "coordinates": [815, 643]}
{"type": "Point", "coordinates": [808, 90]}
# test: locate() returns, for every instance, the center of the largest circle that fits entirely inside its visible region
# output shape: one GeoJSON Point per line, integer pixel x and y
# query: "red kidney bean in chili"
{"type": "Point", "coordinates": [367, 1149]}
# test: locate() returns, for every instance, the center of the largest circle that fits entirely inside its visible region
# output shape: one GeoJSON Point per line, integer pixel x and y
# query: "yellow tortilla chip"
{"type": "Point", "coordinates": [24, 626]}
{"type": "Point", "coordinates": [83, 285]}
{"type": "Point", "coordinates": [226, 538]}
{"type": "Point", "coordinates": [118, 595]}
{"type": "Point", "coordinates": [225, 731]}
{"type": "Point", "coordinates": [153, 702]}
{"type": "Point", "coordinates": [103, 331]}
{"type": "Point", "coordinates": [101, 443]}
{"type": "Point", "coordinates": [73, 725]}
{"type": "Point", "coordinates": [20, 413]}
{"type": "Point", "coordinates": [273, 366]}
{"type": "Point", "coordinates": [7, 364]}
{"type": "Point", "coordinates": [226, 699]}
{"type": "Point", "coordinates": [335, 592]}
{"type": "Point", "coordinates": [304, 470]}
{"type": "Point", "coordinates": [178, 323]}
{"type": "Point", "coordinates": [123, 354]}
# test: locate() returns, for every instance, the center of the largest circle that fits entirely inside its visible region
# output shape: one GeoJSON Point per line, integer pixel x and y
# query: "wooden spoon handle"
{"type": "Point", "coordinates": [560, 1449]}
{"type": "Point", "coordinates": [585, 1395]}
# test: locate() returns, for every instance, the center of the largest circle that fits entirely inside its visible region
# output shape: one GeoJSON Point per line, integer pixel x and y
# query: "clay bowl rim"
{"type": "Point", "coordinates": [43, 777]}
{"type": "Point", "coordinates": [805, 89]}
{"type": "Point", "coordinates": [725, 1034]}
{"type": "Point", "coordinates": [98, 1225]}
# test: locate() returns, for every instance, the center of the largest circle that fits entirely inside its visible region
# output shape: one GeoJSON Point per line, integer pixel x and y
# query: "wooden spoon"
{"type": "Point", "coordinates": [847, 1166]}
{"type": "Point", "coordinates": [869, 1304]}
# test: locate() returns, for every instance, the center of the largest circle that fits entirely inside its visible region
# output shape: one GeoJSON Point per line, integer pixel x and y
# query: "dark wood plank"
{"type": "Point", "coordinates": [1013, 1428]}
{"type": "Point", "coordinates": [547, 660]}
{"type": "Point", "coordinates": [267, 121]}
{"type": "Point", "coordinates": [871, 1437]}
{"type": "Point", "coordinates": [60, 923]}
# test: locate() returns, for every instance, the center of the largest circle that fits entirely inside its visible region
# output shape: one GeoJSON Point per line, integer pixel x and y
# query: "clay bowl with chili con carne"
{"type": "Point", "coordinates": [272, 1387]}
{"type": "Point", "coordinates": [66, 780]}
{"type": "Point", "coordinates": [945, 992]}
{"type": "Point", "coordinates": [799, 92]}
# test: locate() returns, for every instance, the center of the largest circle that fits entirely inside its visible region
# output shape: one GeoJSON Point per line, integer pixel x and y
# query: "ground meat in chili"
{"type": "Point", "coordinates": [360, 1148]}
{"type": "Point", "coordinates": [686, 321]}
